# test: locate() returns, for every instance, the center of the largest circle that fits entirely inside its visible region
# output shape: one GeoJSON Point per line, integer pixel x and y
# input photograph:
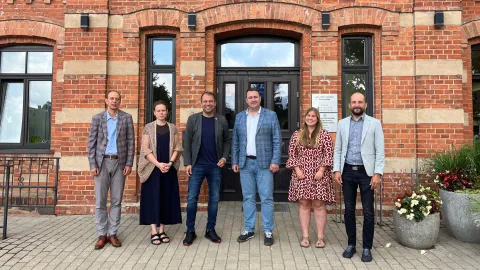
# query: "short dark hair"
{"type": "Point", "coordinates": [253, 89]}
{"type": "Point", "coordinates": [116, 91]}
{"type": "Point", "coordinates": [160, 102]}
{"type": "Point", "coordinates": [208, 94]}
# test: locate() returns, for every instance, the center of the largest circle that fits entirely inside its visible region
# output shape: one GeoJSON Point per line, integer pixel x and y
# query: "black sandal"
{"type": "Point", "coordinates": [164, 239]}
{"type": "Point", "coordinates": [154, 238]}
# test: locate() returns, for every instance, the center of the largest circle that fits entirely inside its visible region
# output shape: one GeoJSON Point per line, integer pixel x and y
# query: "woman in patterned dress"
{"type": "Point", "coordinates": [311, 160]}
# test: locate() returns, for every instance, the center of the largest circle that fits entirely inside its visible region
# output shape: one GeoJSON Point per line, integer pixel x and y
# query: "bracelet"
{"type": "Point", "coordinates": [172, 162]}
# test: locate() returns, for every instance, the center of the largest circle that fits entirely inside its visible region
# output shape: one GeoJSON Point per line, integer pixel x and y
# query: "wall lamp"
{"type": "Point", "coordinates": [325, 20]}
{"type": "Point", "coordinates": [84, 21]}
{"type": "Point", "coordinates": [439, 19]}
{"type": "Point", "coordinates": [192, 20]}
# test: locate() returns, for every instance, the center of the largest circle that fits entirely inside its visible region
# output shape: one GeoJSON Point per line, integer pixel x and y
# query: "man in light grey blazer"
{"type": "Point", "coordinates": [206, 146]}
{"type": "Point", "coordinates": [358, 163]}
{"type": "Point", "coordinates": [111, 147]}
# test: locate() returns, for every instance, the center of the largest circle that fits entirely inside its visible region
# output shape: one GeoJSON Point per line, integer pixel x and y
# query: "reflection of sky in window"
{"type": "Point", "coordinates": [13, 62]}
{"type": "Point", "coordinates": [40, 92]}
{"type": "Point", "coordinates": [230, 96]}
{"type": "Point", "coordinates": [165, 79]}
{"type": "Point", "coordinates": [281, 91]}
{"type": "Point", "coordinates": [162, 52]}
{"type": "Point", "coordinates": [258, 54]}
{"type": "Point", "coordinates": [12, 114]}
{"type": "Point", "coordinates": [39, 62]}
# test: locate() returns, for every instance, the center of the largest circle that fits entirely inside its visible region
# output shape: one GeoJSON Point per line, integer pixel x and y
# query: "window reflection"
{"type": "Point", "coordinates": [354, 51]}
{"type": "Point", "coordinates": [476, 109]}
{"type": "Point", "coordinates": [39, 111]}
{"type": "Point", "coordinates": [261, 89]}
{"type": "Point", "coordinates": [162, 90]}
{"type": "Point", "coordinates": [11, 112]}
{"type": "Point", "coordinates": [230, 104]}
{"type": "Point", "coordinates": [475, 61]}
{"type": "Point", "coordinates": [40, 62]}
{"type": "Point", "coordinates": [275, 54]}
{"type": "Point", "coordinates": [163, 52]}
{"type": "Point", "coordinates": [13, 62]}
{"type": "Point", "coordinates": [354, 82]}
{"type": "Point", "coordinates": [280, 100]}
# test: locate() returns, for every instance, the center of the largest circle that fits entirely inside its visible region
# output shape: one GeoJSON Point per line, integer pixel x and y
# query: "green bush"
{"type": "Point", "coordinates": [456, 169]}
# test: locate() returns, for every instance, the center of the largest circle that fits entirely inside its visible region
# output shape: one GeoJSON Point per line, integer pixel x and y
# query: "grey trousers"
{"type": "Point", "coordinates": [110, 177]}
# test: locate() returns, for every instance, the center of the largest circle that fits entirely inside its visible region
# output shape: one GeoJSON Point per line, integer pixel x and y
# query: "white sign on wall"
{"type": "Point", "coordinates": [327, 105]}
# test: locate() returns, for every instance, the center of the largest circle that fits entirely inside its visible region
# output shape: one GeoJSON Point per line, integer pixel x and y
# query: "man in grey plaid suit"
{"type": "Point", "coordinates": [256, 154]}
{"type": "Point", "coordinates": [111, 145]}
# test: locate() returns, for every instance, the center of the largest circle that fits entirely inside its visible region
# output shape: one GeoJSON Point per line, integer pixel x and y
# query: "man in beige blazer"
{"type": "Point", "coordinates": [111, 147]}
{"type": "Point", "coordinates": [358, 163]}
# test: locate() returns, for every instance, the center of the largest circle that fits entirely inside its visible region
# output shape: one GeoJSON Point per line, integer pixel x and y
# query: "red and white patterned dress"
{"type": "Point", "coordinates": [309, 160]}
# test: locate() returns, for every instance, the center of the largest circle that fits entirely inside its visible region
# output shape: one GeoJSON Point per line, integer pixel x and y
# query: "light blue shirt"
{"type": "Point", "coordinates": [252, 123]}
{"type": "Point", "coordinates": [354, 155]}
{"type": "Point", "coordinates": [111, 134]}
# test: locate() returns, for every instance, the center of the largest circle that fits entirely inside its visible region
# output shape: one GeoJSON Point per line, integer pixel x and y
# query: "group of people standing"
{"type": "Point", "coordinates": [355, 161]}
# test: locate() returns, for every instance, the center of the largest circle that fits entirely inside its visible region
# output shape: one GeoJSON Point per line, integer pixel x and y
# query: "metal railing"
{"type": "Point", "coordinates": [5, 200]}
{"type": "Point", "coordinates": [378, 197]}
{"type": "Point", "coordinates": [29, 183]}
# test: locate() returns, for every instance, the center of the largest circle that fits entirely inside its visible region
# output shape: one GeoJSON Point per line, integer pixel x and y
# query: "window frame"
{"type": "Point", "coordinates": [258, 39]}
{"type": "Point", "coordinates": [26, 78]}
{"type": "Point", "coordinates": [366, 68]}
{"type": "Point", "coordinates": [165, 69]}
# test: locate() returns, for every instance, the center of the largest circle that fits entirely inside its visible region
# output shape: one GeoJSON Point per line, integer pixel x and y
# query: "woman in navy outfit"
{"type": "Point", "coordinates": [158, 166]}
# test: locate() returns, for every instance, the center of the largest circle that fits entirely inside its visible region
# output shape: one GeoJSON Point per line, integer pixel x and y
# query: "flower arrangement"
{"type": "Point", "coordinates": [455, 179]}
{"type": "Point", "coordinates": [419, 203]}
{"type": "Point", "coordinates": [456, 169]}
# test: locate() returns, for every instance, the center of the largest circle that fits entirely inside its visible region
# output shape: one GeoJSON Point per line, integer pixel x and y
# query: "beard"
{"type": "Point", "coordinates": [357, 111]}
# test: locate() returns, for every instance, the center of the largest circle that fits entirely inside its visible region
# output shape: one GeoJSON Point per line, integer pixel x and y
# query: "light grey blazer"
{"type": "Point", "coordinates": [372, 148]}
{"type": "Point", "coordinates": [97, 140]}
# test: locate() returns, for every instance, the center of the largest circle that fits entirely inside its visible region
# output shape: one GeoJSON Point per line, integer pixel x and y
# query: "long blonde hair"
{"type": "Point", "coordinates": [303, 134]}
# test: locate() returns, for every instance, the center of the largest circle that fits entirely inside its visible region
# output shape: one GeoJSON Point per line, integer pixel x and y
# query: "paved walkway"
{"type": "Point", "coordinates": [66, 242]}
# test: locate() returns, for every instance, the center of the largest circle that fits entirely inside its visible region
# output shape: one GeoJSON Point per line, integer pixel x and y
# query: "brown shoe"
{"type": "Point", "coordinates": [115, 241]}
{"type": "Point", "coordinates": [102, 240]}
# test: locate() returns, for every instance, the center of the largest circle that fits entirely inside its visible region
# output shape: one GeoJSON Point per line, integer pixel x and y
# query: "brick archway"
{"type": "Point", "coordinates": [36, 29]}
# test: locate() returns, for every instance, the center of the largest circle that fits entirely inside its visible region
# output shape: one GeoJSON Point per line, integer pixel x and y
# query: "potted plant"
{"type": "Point", "coordinates": [457, 173]}
{"type": "Point", "coordinates": [417, 218]}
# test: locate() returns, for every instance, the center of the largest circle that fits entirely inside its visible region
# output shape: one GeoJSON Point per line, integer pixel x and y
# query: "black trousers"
{"type": "Point", "coordinates": [354, 177]}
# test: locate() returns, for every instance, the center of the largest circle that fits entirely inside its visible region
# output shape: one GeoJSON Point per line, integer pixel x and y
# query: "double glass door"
{"type": "Point", "coordinates": [279, 93]}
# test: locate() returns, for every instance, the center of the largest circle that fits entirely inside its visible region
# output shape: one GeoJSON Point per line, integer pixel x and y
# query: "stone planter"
{"type": "Point", "coordinates": [418, 235]}
{"type": "Point", "coordinates": [458, 216]}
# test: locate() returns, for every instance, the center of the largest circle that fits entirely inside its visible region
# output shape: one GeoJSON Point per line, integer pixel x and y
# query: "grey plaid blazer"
{"type": "Point", "coordinates": [97, 140]}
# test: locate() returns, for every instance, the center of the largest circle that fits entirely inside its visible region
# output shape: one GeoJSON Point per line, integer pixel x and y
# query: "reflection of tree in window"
{"type": "Point", "coordinates": [354, 52]}
{"type": "Point", "coordinates": [161, 91]}
{"type": "Point", "coordinates": [39, 123]}
{"type": "Point", "coordinates": [280, 101]}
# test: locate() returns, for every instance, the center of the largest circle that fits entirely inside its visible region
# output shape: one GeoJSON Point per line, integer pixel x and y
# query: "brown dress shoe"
{"type": "Point", "coordinates": [102, 240]}
{"type": "Point", "coordinates": [115, 241]}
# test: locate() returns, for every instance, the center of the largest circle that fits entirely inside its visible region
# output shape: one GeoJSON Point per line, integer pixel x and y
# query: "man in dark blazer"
{"type": "Point", "coordinates": [111, 147]}
{"type": "Point", "coordinates": [206, 146]}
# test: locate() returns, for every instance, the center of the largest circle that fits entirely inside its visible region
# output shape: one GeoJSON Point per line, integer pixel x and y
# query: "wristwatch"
{"type": "Point", "coordinates": [224, 159]}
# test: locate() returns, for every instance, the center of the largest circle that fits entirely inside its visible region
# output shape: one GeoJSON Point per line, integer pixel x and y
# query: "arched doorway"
{"type": "Point", "coordinates": [271, 64]}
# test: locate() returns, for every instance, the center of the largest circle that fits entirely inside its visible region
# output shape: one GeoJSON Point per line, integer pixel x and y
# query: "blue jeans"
{"type": "Point", "coordinates": [214, 179]}
{"type": "Point", "coordinates": [252, 178]}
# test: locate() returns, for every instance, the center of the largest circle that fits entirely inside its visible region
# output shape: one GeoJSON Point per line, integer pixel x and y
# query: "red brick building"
{"type": "Point", "coordinates": [419, 78]}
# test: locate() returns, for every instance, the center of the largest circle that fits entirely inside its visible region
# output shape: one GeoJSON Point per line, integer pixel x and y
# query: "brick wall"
{"type": "Point", "coordinates": [421, 72]}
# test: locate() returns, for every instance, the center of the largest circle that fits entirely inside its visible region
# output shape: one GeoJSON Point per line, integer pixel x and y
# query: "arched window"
{"type": "Point", "coordinates": [25, 97]}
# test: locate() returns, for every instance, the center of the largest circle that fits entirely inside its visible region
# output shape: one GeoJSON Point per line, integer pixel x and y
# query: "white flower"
{"type": "Point", "coordinates": [427, 188]}
{"type": "Point", "coordinates": [397, 204]}
{"type": "Point", "coordinates": [447, 171]}
{"type": "Point", "coordinates": [414, 202]}
{"type": "Point", "coordinates": [410, 216]}
{"type": "Point", "coordinates": [433, 170]}
{"type": "Point", "coordinates": [429, 202]}
{"type": "Point", "coordinates": [429, 207]}
{"type": "Point", "coordinates": [424, 197]}
{"type": "Point", "coordinates": [435, 181]}
{"type": "Point", "coordinates": [426, 212]}
{"type": "Point", "coordinates": [402, 211]}
{"type": "Point", "coordinates": [414, 195]}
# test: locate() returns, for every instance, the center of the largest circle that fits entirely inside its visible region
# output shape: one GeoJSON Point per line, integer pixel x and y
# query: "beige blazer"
{"type": "Point", "coordinates": [149, 145]}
